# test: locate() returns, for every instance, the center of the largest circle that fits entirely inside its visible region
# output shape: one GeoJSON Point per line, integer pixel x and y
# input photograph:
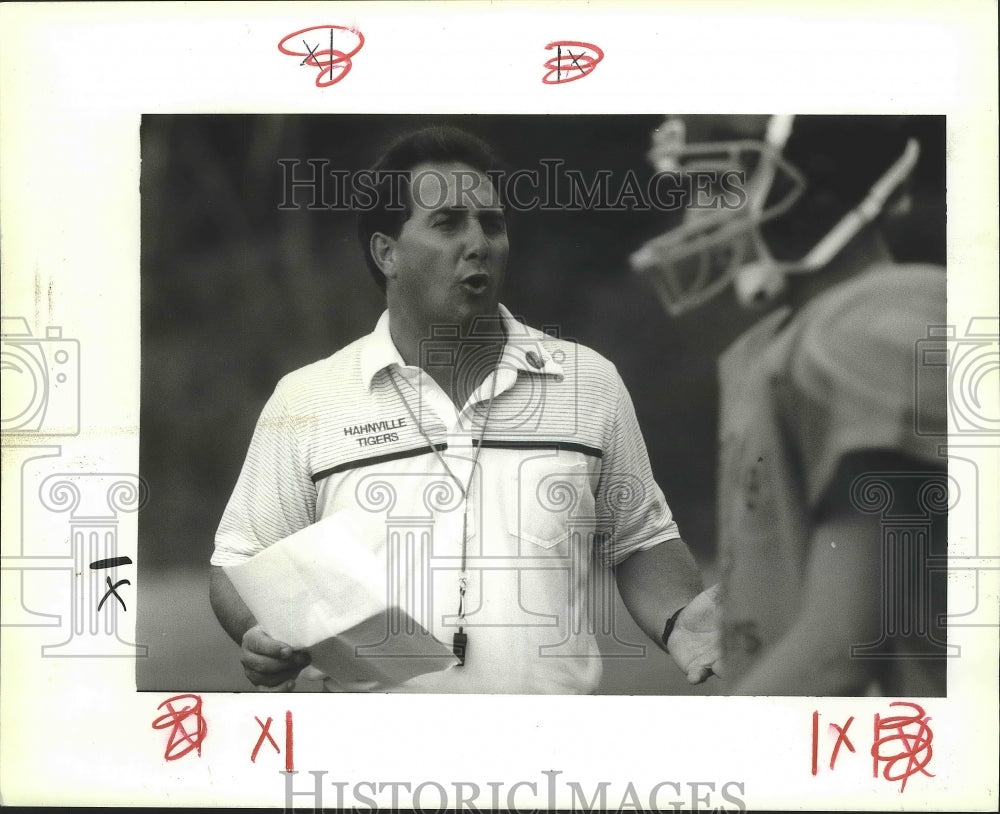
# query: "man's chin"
{"type": "Point", "coordinates": [480, 317]}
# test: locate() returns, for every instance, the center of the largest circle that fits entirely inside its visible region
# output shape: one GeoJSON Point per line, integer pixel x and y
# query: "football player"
{"type": "Point", "coordinates": [832, 490]}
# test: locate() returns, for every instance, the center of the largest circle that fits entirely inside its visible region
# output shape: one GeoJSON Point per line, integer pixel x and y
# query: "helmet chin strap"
{"type": "Point", "coordinates": [865, 212]}
{"type": "Point", "coordinates": [760, 282]}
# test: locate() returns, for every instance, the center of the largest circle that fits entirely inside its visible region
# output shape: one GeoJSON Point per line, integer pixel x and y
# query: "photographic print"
{"type": "Point", "coordinates": [499, 407]}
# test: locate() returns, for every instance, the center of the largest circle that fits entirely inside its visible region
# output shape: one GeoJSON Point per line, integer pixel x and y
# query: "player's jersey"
{"type": "Point", "coordinates": [798, 394]}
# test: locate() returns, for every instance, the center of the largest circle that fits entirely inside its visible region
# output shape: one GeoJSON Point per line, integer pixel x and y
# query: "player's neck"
{"type": "Point", "coordinates": [865, 250]}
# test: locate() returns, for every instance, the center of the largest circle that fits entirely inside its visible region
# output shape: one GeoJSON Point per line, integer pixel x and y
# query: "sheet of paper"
{"type": "Point", "coordinates": [322, 589]}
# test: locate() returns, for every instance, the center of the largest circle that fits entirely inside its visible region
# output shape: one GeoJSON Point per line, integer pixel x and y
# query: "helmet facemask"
{"type": "Point", "coordinates": [712, 247]}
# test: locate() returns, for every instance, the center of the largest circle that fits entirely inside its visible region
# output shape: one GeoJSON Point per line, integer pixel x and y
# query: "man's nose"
{"type": "Point", "coordinates": [477, 243]}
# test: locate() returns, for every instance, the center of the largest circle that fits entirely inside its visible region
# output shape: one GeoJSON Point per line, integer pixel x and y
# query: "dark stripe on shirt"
{"type": "Point", "coordinates": [567, 446]}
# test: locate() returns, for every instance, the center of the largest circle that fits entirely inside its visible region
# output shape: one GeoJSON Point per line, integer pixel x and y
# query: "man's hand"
{"type": "Point", "coordinates": [271, 666]}
{"type": "Point", "coordinates": [695, 642]}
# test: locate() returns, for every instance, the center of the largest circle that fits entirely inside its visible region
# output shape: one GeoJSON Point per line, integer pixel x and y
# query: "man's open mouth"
{"type": "Point", "coordinates": [476, 283]}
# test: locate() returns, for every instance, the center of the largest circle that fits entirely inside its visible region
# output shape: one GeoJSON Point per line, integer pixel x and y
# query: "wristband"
{"type": "Point", "coordinates": [669, 627]}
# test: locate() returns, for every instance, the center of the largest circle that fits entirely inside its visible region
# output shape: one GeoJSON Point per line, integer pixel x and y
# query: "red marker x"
{"type": "Point", "coordinates": [265, 733]}
{"type": "Point", "coordinates": [841, 739]}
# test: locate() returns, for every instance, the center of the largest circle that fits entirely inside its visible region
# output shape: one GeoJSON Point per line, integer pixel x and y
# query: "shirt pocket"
{"type": "Point", "coordinates": [551, 498]}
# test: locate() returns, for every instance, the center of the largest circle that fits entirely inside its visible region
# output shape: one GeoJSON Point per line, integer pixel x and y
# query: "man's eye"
{"type": "Point", "coordinates": [494, 224]}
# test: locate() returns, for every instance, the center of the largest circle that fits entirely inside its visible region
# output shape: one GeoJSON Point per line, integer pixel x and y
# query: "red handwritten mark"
{"type": "Point", "coordinates": [571, 62]}
{"type": "Point", "coordinates": [842, 740]}
{"type": "Point", "coordinates": [915, 746]}
{"type": "Point", "coordinates": [815, 750]}
{"type": "Point", "coordinates": [333, 63]}
{"type": "Point", "coordinates": [181, 741]}
{"type": "Point", "coordinates": [264, 733]}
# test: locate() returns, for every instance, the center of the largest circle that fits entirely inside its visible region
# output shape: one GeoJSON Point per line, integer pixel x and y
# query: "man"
{"type": "Point", "coordinates": [831, 546]}
{"type": "Point", "coordinates": [517, 454]}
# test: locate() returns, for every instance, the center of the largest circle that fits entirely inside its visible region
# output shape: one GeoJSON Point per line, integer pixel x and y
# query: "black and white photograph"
{"type": "Point", "coordinates": [567, 404]}
{"type": "Point", "coordinates": [509, 406]}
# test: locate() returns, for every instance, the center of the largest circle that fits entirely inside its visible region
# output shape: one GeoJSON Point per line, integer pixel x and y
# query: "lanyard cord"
{"type": "Point", "coordinates": [463, 578]}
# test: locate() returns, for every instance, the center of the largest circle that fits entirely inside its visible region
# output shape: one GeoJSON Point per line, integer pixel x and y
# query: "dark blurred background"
{"type": "Point", "coordinates": [236, 293]}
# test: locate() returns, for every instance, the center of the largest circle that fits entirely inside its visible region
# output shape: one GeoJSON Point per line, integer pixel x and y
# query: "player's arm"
{"type": "Point", "coordinates": [268, 663]}
{"type": "Point", "coordinates": [655, 583]}
{"type": "Point", "coordinates": [841, 599]}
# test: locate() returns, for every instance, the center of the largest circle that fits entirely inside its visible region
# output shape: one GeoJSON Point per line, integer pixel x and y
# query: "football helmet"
{"type": "Point", "coordinates": [723, 243]}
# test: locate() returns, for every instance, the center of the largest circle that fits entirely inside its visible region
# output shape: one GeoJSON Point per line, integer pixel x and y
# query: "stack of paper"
{"type": "Point", "coordinates": [323, 590]}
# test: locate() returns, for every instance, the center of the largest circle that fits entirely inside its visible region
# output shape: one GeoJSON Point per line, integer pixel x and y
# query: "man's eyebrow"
{"type": "Point", "coordinates": [449, 209]}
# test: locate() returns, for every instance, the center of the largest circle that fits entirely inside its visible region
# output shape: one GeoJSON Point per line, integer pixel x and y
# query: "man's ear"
{"type": "Point", "coordinates": [383, 249]}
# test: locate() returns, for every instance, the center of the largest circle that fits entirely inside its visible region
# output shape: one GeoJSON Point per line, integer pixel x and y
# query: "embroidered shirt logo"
{"type": "Point", "coordinates": [375, 432]}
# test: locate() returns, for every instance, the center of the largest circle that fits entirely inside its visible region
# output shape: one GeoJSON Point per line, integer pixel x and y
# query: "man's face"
{"type": "Point", "coordinates": [451, 253]}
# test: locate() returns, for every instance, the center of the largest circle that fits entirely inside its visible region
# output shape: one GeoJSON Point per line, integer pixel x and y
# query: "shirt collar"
{"type": "Point", "coordinates": [524, 350]}
{"type": "Point", "coordinates": [378, 351]}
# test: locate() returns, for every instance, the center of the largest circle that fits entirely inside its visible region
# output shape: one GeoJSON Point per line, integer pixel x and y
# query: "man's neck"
{"type": "Point", "coordinates": [457, 357]}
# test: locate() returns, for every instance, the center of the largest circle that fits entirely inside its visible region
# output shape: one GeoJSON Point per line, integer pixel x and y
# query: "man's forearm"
{"type": "Point", "coordinates": [656, 582]}
{"type": "Point", "coordinates": [230, 609]}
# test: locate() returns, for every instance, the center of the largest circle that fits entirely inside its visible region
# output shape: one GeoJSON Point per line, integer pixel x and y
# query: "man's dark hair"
{"type": "Point", "coordinates": [390, 176]}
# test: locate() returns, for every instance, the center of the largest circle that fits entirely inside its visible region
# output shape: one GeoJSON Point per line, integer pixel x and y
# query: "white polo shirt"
{"type": "Point", "coordinates": [562, 480]}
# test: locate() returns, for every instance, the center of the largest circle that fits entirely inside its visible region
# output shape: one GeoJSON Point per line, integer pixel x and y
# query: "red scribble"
{"type": "Point", "coordinates": [181, 741]}
{"type": "Point", "coordinates": [571, 61]}
{"type": "Point", "coordinates": [265, 732]}
{"type": "Point", "coordinates": [289, 759]}
{"type": "Point", "coordinates": [333, 63]}
{"type": "Point", "coordinates": [915, 748]}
